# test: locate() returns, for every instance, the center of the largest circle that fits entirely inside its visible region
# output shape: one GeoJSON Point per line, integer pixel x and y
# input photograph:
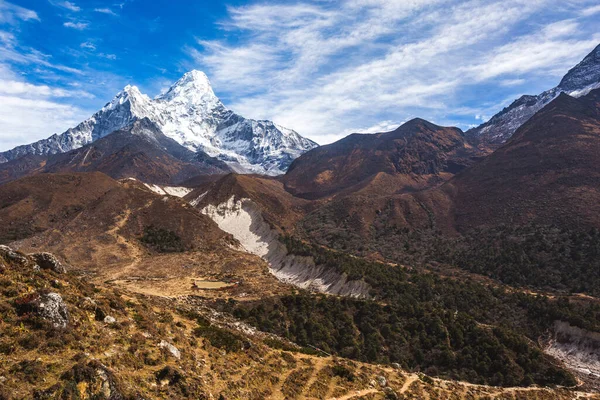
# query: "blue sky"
{"type": "Point", "coordinates": [324, 68]}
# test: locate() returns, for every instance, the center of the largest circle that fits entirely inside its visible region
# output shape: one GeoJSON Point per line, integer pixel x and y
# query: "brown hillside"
{"type": "Point", "coordinates": [279, 207]}
{"type": "Point", "coordinates": [99, 224]}
{"type": "Point", "coordinates": [418, 155]}
{"type": "Point", "coordinates": [548, 173]}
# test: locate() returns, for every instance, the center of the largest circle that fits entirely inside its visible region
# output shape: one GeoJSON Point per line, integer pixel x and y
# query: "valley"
{"type": "Point", "coordinates": [169, 248]}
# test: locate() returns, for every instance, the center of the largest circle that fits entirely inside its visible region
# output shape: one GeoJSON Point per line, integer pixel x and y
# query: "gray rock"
{"type": "Point", "coordinates": [48, 261]}
{"type": "Point", "coordinates": [52, 308]}
{"type": "Point", "coordinates": [171, 349]}
{"type": "Point", "coordinates": [382, 381]}
{"type": "Point", "coordinates": [109, 320]}
{"type": "Point", "coordinates": [11, 255]}
{"type": "Point", "coordinates": [396, 366]}
{"type": "Point", "coordinates": [390, 394]}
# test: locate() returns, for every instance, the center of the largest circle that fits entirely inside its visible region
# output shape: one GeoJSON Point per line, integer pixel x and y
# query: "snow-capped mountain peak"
{"type": "Point", "coordinates": [584, 74]}
{"type": "Point", "coordinates": [191, 114]}
{"type": "Point", "coordinates": [192, 87]}
{"type": "Point", "coordinates": [579, 81]}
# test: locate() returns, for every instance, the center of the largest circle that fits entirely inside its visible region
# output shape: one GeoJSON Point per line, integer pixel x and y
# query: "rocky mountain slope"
{"type": "Point", "coordinates": [415, 156]}
{"type": "Point", "coordinates": [103, 342]}
{"type": "Point", "coordinates": [526, 215]}
{"type": "Point", "coordinates": [126, 232]}
{"type": "Point", "coordinates": [139, 150]}
{"type": "Point", "coordinates": [191, 114]}
{"type": "Point", "coordinates": [579, 81]}
{"type": "Point", "coordinates": [546, 173]}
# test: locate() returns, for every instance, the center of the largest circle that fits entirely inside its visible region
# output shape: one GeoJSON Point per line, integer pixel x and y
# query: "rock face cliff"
{"type": "Point", "coordinates": [578, 349]}
{"type": "Point", "coordinates": [243, 219]}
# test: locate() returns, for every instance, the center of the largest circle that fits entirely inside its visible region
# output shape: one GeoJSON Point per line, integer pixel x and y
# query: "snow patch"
{"type": "Point", "coordinates": [177, 191]}
{"type": "Point", "coordinates": [243, 219]}
{"type": "Point", "coordinates": [197, 200]}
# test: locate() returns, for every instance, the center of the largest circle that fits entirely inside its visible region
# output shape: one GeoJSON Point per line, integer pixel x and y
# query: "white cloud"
{"type": "Point", "coordinates": [105, 11]}
{"type": "Point", "coordinates": [12, 53]}
{"type": "Point", "coordinates": [25, 89]}
{"type": "Point", "coordinates": [552, 50]}
{"type": "Point", "coordinates": [76, 25]}
{"type": "Point", "coordinates": [108, 56]}
{"type": "Point", "coordinates": [26, 119]}
{"type": "Point", "coordinates": [325, 68]}
{"type": "Point", "coordinates": [512, 82]}
{"type": "Point", "coordinates": [88, 46]}
{"type": "Point", "coordinates": [68, 5]}
{"type": "Point", "coordinates": [593, 10]}
{"type": "Point", "coordinates": [11, 13]}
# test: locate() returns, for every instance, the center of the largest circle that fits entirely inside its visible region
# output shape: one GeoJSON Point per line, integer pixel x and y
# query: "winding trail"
{"type": "Point", "coordinates": [134, 251]}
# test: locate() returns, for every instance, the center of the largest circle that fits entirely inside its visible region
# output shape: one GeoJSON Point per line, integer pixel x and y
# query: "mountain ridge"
{"type": "Point", "coordinates": [191, 114]}
{"type": "Point", "coordinates": [577, 82]}
{"type": "Point", "coordinates": [418, 154]}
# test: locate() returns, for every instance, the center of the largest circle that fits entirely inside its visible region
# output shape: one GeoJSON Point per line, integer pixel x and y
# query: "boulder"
{"type": "Point", "coordinates": [170, 348]}
{"type": "Point", "coordinates": [48, 261]}
{"type": "Point", "coordinates": [48, 306]}
{"type": "Point", "coordinates": [11, 255]}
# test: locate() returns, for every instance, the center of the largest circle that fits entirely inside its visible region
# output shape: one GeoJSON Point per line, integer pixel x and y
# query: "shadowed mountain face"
{"type": "Point", "coordinates": [417, 155]}
{"type": "Point", "coordinates": [579, 81]}
{"type": "Point", "coordinates": [547, 173]}
{"type": "Point", "coordinates": [139, 151]}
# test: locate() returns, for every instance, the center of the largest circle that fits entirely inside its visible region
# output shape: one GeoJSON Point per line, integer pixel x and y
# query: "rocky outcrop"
{"type": "Point", "coordinates": [243, 219]}
{"type": "Point", "coordinates": [578, 349]}
{"type": "Point", "coordinates": [174, 351]}
{"type": "Point", "coordinates": [48, 261]}
{"type": "Point", "coordinates": [47, 306]}
{"type": "Point", "coordinates": [11, 255]}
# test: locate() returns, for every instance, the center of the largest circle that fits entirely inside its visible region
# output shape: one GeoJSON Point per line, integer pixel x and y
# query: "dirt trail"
{"type": "Point", "coordinates": [134, 252]}
{"type": "Point", "coordinates": [355, 394]}
{"type": "Point", "coordinates": [410, 379]}
{"type": "Point", "coordinates": [318, 365]}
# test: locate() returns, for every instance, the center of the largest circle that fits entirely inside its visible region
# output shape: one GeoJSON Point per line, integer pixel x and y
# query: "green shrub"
{"type": "Point", "coordinates": [162, 240]}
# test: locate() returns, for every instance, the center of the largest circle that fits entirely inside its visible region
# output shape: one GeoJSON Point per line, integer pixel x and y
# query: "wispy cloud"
{"type": "Point", "coordinates": [326, 68]}
{"type": "Point", "coordinates": [33, 119]}
{"type": "Point", "coordinates": [88, 46]}
{"type": "Point", "coordinates": [108, 56]}
{"type": "Point", "coordinates": [67, 5]}
{"type": "Point", "coordinates": [30, 111]}
{"type": "Point", "coordinates": [105, 11]}
{"type": "Point", "coordinates": [80, 26]}
{"type": "Point", "coordinates": [25, 89]}
{"type": "Point", "coordinates": [11, 13]}
{"type": "Point", "coordinates": [593, 10]}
